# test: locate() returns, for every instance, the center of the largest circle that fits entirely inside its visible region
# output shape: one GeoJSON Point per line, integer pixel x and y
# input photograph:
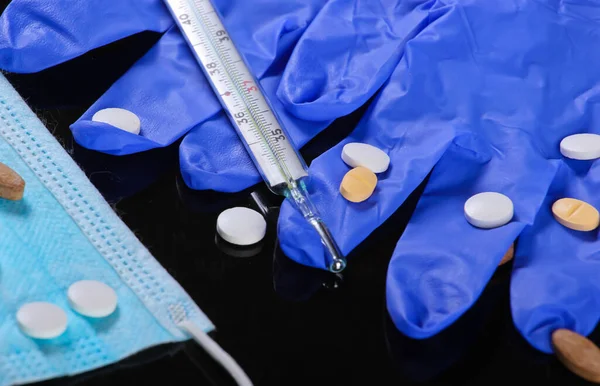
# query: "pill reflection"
{"type": "Point", "coordinates": [236, 250]}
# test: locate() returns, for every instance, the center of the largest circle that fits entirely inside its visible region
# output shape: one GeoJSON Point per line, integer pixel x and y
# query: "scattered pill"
{"type": "Point", "coordinates": [361, 154]}
{"type": "Point", "coordinates": [508, 256]}
{"type": "Point", "coordinates": [92, 298]}
{"type": "Point", "coordinates": [119, 118]}
{"type": "Point", "coordinates": [358, 184]}
{"type": "Point", "coordinates": [578, 354]}
{"type": "Point", "coordinates": [581, 146]}
{"type": "Point", "coordinates": [42, 320]}
{"type": "Point", "coordinates": [489, 210]}
{"type": "Point", "coordinates": [12, 185]}
{"type": "Point", "coordinates": [241, 226]}
{"type": "Point", "coordinates": [576, 214]}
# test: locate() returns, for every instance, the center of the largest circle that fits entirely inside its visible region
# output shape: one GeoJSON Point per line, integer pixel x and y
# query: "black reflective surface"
{"type": "Point", "coordinates": [284, 323]}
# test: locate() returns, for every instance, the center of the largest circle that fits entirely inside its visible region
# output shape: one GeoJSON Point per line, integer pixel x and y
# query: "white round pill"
{"type": "Point", "coordinates": [357, 154]}
{"type": "Point", "coordinates": [581, 146]}
{"type": "Point", "coordinates": [241, 226]}
{"type": "Point", "coordinates": [42, 320]}
{"type": "Point", "coordinates": [489, 210]}
{"type": "Point", "coordinates": [92, 298]}
{"type": "Point", "coordinates": [119, 118]}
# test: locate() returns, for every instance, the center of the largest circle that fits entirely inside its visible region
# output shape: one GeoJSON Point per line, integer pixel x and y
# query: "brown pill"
{"type": "Point", "coordinates": [508, 256]}
{"type": "Point", "coordinates": [358, 184]}
{"type": "Point", "coordinates": [578, 354]}
{"type": "Point", "coordinates": [576, 214]}
{"type": "Point", "coordinates": [11, 184]}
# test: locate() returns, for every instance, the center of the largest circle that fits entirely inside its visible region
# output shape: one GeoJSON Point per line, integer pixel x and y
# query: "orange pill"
{"type": "Point", "coordinates": [508, 256]}
{"type": "Point", "coordinates": [576, 214]}
{"type": "Point", "coordinates": [578, 354]}
{"type": "Point", "coordinates": [358, 184]}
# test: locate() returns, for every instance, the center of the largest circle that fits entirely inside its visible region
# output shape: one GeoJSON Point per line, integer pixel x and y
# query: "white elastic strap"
{"type": "Point", "coordinates": [218, 354]}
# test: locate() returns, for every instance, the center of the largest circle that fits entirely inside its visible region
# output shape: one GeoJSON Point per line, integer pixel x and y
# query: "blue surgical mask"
{"type": "Point", "coordinates": [62, 232]}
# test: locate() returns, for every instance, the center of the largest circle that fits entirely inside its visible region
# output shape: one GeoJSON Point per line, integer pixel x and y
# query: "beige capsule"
{"type": "Point", "coordinates": [12, 185]}
{"type": "Point", "coordinates": [358, 184]}
{"type": "Point", "coordinates": [576, 214]}
{"type": "Point", "coordinates": [578, 354]}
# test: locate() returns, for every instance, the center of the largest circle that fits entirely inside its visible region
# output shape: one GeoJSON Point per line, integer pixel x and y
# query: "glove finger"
{"type": "Point", "coordinates": [213, 157]}
{"type": "Point", "coordinates": [201, 169]}
{"type": "Point", "coordinates": [442, 263]}
{"type": "Point", "coordinates": [555, 277]}
{"type": "Point", "coordinates": [165, 89]}
{"type": "Point", "coordinates": [408, 120]}
{"type": "Point", "coordinates": [37, 34]}
{"type": "Point", "coordinates": [413, 154]}
{"type": "Point", "coordinates": [329, 78]}
{"type": "Point", "coordinates": [168, 92]}
{"type": "Point", "coordinates": [351, 223]}
{"type": "Point", "coordinates": [266, 31]}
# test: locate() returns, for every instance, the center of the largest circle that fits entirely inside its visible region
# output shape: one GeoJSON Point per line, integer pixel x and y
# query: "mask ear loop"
{"type": "Point", "coordinates": [211, 347]}
{"type": "Point", "coordinates": [215, 351]}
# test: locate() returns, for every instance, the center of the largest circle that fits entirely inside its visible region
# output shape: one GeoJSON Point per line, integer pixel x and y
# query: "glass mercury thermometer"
{"type": "Point", "coordinates": [257, 124]}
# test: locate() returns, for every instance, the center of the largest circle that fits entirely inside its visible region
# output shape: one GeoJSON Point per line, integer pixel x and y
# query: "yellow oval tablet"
{"type": "Point", "coordinates": [578, 354]}
{"type": "Point", "coordinates": [358, 184]}
{"type": "Point", "coordinates": [576, 214]}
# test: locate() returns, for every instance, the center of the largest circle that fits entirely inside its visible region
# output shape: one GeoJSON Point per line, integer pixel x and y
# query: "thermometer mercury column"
{"type": "Point", "coordinates": [256, 123]}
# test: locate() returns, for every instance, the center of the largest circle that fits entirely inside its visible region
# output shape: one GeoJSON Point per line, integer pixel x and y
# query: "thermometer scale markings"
{"type": "Point", "coordinates": [233, 82]}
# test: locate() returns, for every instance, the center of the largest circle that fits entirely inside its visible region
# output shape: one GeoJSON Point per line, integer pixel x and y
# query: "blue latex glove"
{"type": "Point", "coordinates": [166, 88]}
{"type": "Point", "coordinates": [482, 96]}
{"type": "Point", "coordinates": [169, 93]}
{"type": "Point", "coordinates": [310, 93]}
